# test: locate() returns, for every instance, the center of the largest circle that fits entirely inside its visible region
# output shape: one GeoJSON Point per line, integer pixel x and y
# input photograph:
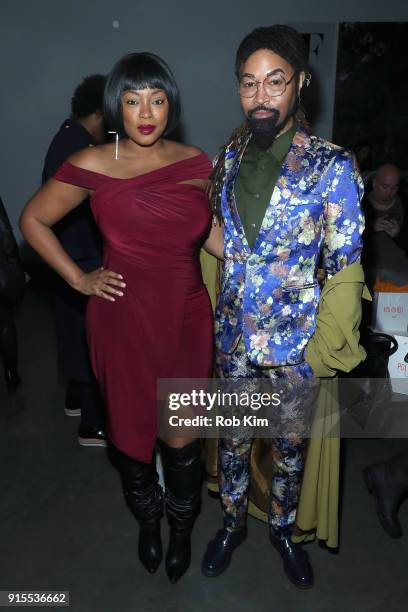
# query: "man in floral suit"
{"type": "Point", "coordinates": [289, 203]}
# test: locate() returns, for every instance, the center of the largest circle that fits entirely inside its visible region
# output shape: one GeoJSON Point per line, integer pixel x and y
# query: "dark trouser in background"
{"type": "Point", "coordinates": [85, 396]}
{"type": "Point", "coordinates": [9, 346]}
{"type": "Point", "coordinates": [82, 395]}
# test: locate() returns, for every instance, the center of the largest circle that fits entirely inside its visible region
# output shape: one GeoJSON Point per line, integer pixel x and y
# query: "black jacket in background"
{"type": "Point", "coordinates": [8, 244]}
{"type": "Point", "coordinates": [77, 231]}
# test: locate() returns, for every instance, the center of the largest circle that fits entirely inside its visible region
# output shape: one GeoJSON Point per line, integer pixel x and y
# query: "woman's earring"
{"type": "Point", "coordinates": [116, 144]}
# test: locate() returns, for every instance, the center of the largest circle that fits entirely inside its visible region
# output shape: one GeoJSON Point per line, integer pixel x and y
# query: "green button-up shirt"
{"type": "Point", "coordinates": [258, 173]}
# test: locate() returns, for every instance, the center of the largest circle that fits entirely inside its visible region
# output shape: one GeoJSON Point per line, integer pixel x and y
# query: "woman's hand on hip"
{"type": "Point", "coordinates": [102, 283]}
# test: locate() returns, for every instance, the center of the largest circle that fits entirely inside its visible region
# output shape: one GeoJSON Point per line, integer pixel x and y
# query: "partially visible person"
{"type": "Point", "coordinates": [81, 239]}
{"type": "Point", "coordinates": [12, 280]}
{"type": "Point", "coordinates": [363, 153]}
{"type": "Point", "coordinates": [382, 256]}
{"type": "Point", "coordinates": [386, 207]}
{"type": "Point", "coordinates": [402, 238]}
{"type": "Point", "coordinates": [388, 482]}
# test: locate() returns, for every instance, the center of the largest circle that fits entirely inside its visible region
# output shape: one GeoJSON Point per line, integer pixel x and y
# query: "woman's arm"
{"type": "Point", "coordinates": [214, 245]}
{"type": "Point", "coordinates": [50, 204]}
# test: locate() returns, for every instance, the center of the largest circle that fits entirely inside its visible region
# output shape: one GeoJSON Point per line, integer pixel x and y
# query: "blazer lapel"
{"type": "Point", "coordinates": [230, 180]}
{"type": "Point", "coordinates": [292, 172]}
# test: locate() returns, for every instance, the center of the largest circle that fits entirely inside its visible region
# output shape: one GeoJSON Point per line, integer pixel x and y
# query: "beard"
{"type": "Point", "coordinates": [264, 131]}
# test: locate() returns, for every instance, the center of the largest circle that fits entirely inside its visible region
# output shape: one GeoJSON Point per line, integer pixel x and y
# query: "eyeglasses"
{"type": "Point", "coordinates": [274, 85]}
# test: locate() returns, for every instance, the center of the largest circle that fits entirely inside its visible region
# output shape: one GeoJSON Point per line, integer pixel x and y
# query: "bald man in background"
{"type": "Point", "coordinates": [386, 205]}
{"type": "Point", "coordinates": [384, 211]}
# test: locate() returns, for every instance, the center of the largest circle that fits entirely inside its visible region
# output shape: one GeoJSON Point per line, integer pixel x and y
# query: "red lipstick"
{"type": "Point", "coordinates": [146, 129]}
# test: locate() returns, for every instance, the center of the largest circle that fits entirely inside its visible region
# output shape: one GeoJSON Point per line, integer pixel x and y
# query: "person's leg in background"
{"type": "Point", "coordinates": [82, 394]}
{"type": "Point", "coordinates": [91, 430]}
{"type": "Point", "coordinates": [9, 347]}
{"type": "Point", "coordinates": [73, 398]}
{"type": "Point", "coordinates": [388, 482]}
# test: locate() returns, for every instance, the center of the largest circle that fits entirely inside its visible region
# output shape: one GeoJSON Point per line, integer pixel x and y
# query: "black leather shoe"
{"type": "Point", "coordinates": [219, 551]}
{"type": "Point", "coordinates": [150, 545]}
{"type": "Point", "coordinates": [91, 436]}
{"type": "Point", "coordinates": [72, 411]}
{"type": "Point", "coordinates": [295, 559]}
{"type": "Point", "coordinates": [388, 493]}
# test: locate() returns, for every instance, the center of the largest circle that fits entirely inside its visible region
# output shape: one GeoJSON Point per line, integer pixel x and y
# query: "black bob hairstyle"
{"type": "Point", "coordinates": [139, 71]}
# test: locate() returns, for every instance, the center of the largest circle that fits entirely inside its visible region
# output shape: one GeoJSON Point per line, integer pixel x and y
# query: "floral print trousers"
{"type": "Point", "coordinates": [288, 450]}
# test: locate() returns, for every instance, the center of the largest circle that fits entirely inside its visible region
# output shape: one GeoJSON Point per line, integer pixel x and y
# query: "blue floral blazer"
{"type": "Point", "coordinates": [270, 295]}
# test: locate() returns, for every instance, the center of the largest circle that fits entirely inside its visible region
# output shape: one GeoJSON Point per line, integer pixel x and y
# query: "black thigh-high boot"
{"type": "Point", "coordinates": [182, 468]}
{"type": "Point", "coordinates": [144, 498]}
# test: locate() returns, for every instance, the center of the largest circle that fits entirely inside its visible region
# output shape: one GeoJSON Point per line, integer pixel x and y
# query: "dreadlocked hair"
{"type": "Point", "coordinates": [283, 40]}
{"type": "Point", "coordinates": [302, 120]}
{"type": "Point", "coordinates": [216, 182]}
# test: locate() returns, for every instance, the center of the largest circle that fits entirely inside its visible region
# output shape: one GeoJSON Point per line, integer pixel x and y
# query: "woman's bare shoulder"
{"type": "Point", "coordinates": [183, 151]}
{"type": "Point", "coordinates": [95, 158]}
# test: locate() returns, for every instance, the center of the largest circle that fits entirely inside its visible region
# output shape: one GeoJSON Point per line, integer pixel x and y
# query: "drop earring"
{"type": "Point", "coordinates": [308, 78]}
{"type": "Point", "coordinates": [116, 144]}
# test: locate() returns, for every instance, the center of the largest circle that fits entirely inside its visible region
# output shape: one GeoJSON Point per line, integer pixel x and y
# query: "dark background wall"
{"type": "Point", "coordinates": [47, 47]}
{"type": "Point", "coordinates": [372, 91]}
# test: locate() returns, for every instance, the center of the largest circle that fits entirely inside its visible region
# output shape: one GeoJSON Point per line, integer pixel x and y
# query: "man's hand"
{"type": "Point", "coordinates": [389, 226]}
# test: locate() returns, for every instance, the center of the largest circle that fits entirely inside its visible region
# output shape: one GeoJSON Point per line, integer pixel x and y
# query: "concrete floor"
{"type": "Point", "coordinates": [64, 524]}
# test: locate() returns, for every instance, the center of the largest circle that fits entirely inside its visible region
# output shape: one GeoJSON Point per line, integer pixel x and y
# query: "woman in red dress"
{"type": "Point", "coordinates": [149, 314]}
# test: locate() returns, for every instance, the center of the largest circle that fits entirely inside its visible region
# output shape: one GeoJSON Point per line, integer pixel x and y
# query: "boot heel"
{"type": "Point", "coordinates": [150, 547]}
{"type": "Point", "coordinates": [178, 555]}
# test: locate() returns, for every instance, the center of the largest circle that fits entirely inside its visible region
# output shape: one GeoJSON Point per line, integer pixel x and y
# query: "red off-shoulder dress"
{"type": "Point", "coordinates": [153, 227]}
